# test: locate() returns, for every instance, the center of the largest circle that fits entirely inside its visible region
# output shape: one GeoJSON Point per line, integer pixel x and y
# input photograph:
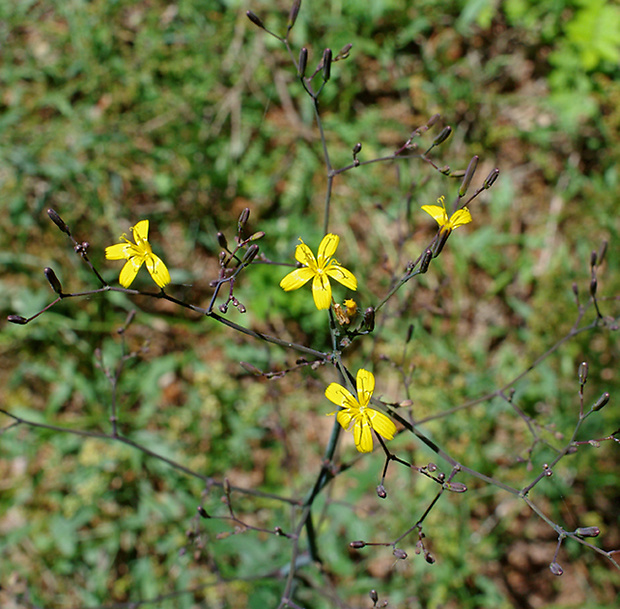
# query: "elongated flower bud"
{"type": "Point", "coordinates": [17, 319]}
{"type": "Point", "coordinates": [54, 282]}
{"type": "Point", "coordinates": [250, 253]}
{"type": "Point", "coordinates": [426, 260]}
{"type": "Point", "coordinates": [58, 221]}
{"type": "Point", "coordinates": [469, 174]}
{"type": "Point", "coordinates": [292, 16]}
{"type": "Point", "coordinates": [588, 531]}
{"type": "Point", "coordinates": [327, 64]}
{"type": "Point", "coordinates": [491, 179]}
{"type": "Point", "coordinates": [255, 19]}
{"type": "Point", "coordinates": [303, 61]}
{"type": "Point", "coordinates": [583, 373]}
{"type": "Point", "coordinates": [443, 136]}
{"type": "Point", "coordinates": [601, 402]}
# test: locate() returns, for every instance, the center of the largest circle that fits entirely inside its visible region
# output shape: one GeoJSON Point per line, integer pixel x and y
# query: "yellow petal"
{"type": "Point", "coordinates": [344, 418]}
{"type": "Point", "coordinates": [327, 248]}
{"type": "Point", "coordinates": [460, 217]}
{"type": "Point", "coordinates": [341, 396]}
{"type": "Point", "coordinates": [158, 270]}
{"type": "Point", "coordinates": [141, 231]}
{"type": "Point", "coordinates": [438, 213]}
{"type": "Point", "coordinates": [321, 291]}
{"type": "Point", "coordinates": [342, 275]}
{"type": "Point", "coordinates": [362, 435]}
{"type": "Point", "coordinates": [130, 270]}
{"type": "Point", "coordinates": [381, 423]}
{"type": "Point", "coordinates": [304, 255]}
{"type": "Point", "coordinates": [365, 382]}
{"type": "Point", "coordinates": [118, 251]}
{"type": "Point", "coordinates": [295, 279]}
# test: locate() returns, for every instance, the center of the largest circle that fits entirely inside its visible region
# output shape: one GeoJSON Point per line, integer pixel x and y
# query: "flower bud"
{"type": "Point", "coordinates": [381, 492]}
{"type": "Point", "coordinates": [429, 558]}
{"type": "Point", "coordinates": [369, 319]}
{"type": "Point", "coordinates": [469, 174]}
{"type": "Point", "coordinates": [357, 545]}
{"type": "Point", "coordinates": [491, 179]}
{"type": "Point", "coordinates": [601, 402]}
{"type": "Point", "coordinates": [588, 531]}
{"type": "Point", "coordinates": [583, 373]}
{"type": "Point", "coordinates": [593, 256]}
{"type": "Point", "coordinates": [278, 531]}
{"type": "Point", "coordinates": [455, 487]}
{"type": "Point", "coordinates": [343, 53]}
{"type": "Point", "coordinates": [255, 19]}
{"type": "Point", "coordinates": [327, 64]}
{"type": "Point", "coordinates": [243, 218]}
{"type": "Point", "coordinates": [593, 286]}
{"type": "Point", "coordinates": [602, 251]}
{"type": "Point", "coordinates": [292, 16]}
{"type": "Point", "coordinates": [250, 254]}
{"type": "Point", "coordinates": [555, 568]}
{"type": "Point", "coordinates": [357, 148]}
{"type": "Point", "coordinates": [257, 235]}
{"type": "Point", "coordinates": [427, 256]}
{"type": "Point", "coordinates": [17, 319]}
{"type": "Point", "coordinates": [398, 553]}
{"type": "Point", "coordinates": [443, 136]}
{"type": "Point", "coordinates": [374, 597]}
{"type": "Point", "coordinates": [303, 61]}
{"type": "Point", "coordinates": [203, 513]}
{"type": "Point", "coordinates": [58, 221]}
{"type": "Point", "coordinates": [51, 277]}
{"type": "Point", "coordinates": [222, 241]}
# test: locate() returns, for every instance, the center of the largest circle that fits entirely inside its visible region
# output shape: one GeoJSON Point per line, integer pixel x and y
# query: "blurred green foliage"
{"type": "Point", "coordinates": [186, 113]}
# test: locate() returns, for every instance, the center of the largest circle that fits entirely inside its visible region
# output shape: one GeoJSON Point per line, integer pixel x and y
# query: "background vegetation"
{"type": "Point", "coordinates": [185, 113]}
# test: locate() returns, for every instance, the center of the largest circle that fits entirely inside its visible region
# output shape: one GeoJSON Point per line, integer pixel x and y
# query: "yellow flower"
{"type": "Point", "coordinates": [319, 269]}
{"type": "Point", "coordinates": [136, 255]}
{"type": "Point", "coordinates": [357, 415]}
{"type": "Point", "coordinates": [458, 218]}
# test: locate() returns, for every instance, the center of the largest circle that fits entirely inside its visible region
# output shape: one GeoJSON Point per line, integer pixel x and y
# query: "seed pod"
{"type": "Point", "coordinates": [455, 487]}
{"type": "Point", "coordinates": [58, 221]}
{"type": "Point", "coordinates": [51, 277]}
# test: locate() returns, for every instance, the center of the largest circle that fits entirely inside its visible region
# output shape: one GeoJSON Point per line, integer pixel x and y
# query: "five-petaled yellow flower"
{"type": "Point", "coordinates": [356, 415]}
{"type": "Point", "coordinates": [136, 255]}
{"type": "Point", "coordinates": [458, 218]}
{"type": "Point", "coordinates": [319, 269]}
